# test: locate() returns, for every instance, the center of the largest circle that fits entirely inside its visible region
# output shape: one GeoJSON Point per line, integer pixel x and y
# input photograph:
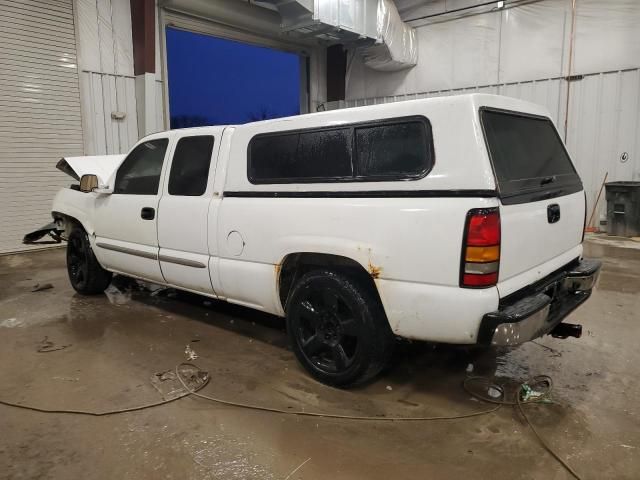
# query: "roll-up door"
{"type": "Point", "coordinates": [39, 112]}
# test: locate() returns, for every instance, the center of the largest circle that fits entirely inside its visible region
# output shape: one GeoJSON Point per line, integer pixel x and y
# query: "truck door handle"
{"type": "Point", "coordinates": [553, 213]}
{"type": "Point", "coordinates": [148, 213]}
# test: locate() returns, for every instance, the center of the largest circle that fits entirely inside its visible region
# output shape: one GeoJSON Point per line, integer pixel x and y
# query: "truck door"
{"type": "Point", "coordinates": [126, 221]}
{"type": "Point", "coordinates": [182, 219]}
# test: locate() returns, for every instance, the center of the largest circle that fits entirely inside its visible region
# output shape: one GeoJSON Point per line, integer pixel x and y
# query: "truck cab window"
{"type": "Point", "coordinates": [139, 174]}
{"type": "Point", "coordinates": [190, 167]}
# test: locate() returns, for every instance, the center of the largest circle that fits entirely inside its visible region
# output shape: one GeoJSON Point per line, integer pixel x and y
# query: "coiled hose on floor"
{"type": "Point", "coordinates": [537, 390]}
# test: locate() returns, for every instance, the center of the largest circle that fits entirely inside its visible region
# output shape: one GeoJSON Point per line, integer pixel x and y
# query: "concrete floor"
{"type": "Point", "coordinates": [114, 349]}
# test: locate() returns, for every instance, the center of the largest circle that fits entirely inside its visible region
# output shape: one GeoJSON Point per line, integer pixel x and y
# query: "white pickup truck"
{"type": "Point", "coordinates": [456, 219]}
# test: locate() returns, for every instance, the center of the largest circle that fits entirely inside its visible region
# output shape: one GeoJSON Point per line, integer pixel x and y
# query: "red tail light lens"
{"type": "Point", "coordinates": [480, 260]}
{"type": "Point", "coordinates": [480, 280]}
{"type": "Point", "coordinates": [483, 229]}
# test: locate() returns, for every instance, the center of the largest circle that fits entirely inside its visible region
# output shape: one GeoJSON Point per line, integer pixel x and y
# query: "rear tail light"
{"type": "Point", "coordinates": [480, 249]}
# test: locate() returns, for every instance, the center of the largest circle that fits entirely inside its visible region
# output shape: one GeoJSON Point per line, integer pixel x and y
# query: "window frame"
{"type": "Point", "coordinates": [173, 155]}
{"type": "Point", "coordinates": [162, 167]}
{"type": "Point", "coordinates": [530, 192]}
{"type": "Point", "coordinates": [354, 177]}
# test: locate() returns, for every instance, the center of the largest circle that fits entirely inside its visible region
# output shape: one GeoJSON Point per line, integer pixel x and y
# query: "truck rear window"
{"type": "Point", "coordinates": [529, 160]}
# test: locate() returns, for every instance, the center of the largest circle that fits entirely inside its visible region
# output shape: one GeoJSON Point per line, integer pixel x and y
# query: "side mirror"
{"type": "Point", "coordinates": [88, 183]}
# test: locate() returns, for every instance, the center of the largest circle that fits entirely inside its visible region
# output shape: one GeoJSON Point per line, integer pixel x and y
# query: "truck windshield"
{"type": "Point", "coordinates": [528, 157]}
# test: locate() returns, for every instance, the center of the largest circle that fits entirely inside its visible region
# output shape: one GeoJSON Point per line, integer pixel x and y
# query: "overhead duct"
{"type": "Point", "coordinates": [387, 43]}
{"type": "Point", "coordinates": [374, 26]}
{"type": "Point", "coordinates": [332, 21]}
{"type": "Point", "coordinates": [396, 44]}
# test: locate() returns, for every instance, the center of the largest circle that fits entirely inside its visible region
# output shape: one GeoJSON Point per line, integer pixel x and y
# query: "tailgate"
{"type": "Point", "coordinates": [542, 209]}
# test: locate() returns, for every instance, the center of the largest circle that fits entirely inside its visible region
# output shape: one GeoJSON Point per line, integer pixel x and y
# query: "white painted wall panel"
{"type": "Point", "coordinates": [159, 110]}
{"type": "Point", "coordinates": [604, 123]}
{"type": "Point", "coordinates": [533, 39]}
{"type": "Point", "coordinates": [523, 43]}
{"type": "Point", "coordinates": [40, 105]}
{"type": "Point", "coordinates": [607, 35]}
{"type": "Point", "coordinates": [159, 72]}
{"type": "Point", "coordinates": [475, 50]}
{"type": "Point", "coordinates": [104, 29]}
{"type": "Point", "coordinates": [103, 95]}
{"type": "Point", "coordinates": [88, 38]}
{"type": "Point", "coordinates": [106, 80]}
{"type": "Point", "coordinates": [550, 93]}
{"type": "Point", "coordinates": [435, 61]}
{"type": "Point", "coordinates": [127, 129]}
{"type": "Point", "coordinates": [106, 37]}
{"type": "Point", "coordinates": [121, 16]}
{"type": "Point", "coordinates": [451, 55]}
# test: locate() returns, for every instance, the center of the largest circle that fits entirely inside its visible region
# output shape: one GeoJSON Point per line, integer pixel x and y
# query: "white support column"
{"type": "Point", "coordinates": [146, 104]}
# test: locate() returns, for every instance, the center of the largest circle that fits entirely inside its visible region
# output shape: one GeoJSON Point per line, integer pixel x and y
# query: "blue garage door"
{"type": "Point", "coordinates": [214, 81]}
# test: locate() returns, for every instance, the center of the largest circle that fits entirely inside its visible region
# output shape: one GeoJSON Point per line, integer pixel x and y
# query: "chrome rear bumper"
{"type": "Point", "coordinates": [536, 310]}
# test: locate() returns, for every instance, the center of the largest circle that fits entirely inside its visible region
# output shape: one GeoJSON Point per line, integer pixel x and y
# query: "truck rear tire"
{"type": "Point", "coordinates": [86, 275]}
{"type": "Point", "coordinates": [337, 328]}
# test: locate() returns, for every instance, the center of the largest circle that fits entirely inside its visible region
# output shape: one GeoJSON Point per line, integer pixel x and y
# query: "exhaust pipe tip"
{"type": "Point", "coordinates": [566, 330]}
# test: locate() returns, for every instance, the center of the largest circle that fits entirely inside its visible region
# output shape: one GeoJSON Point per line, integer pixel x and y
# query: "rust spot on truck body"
{"type": "Point", "coordinates": [374, 270]}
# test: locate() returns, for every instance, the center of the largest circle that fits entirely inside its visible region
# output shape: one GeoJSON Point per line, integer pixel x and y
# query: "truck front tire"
{"type": "Point", "coordinates": [86, 275]}
{"type": "Point", "coordinates": [337, 328]}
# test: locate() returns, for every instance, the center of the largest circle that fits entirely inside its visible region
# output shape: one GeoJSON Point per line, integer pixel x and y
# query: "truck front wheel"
{"type": "Point", "coordinates": [86, 275]}
{"type": "Point", "coordinates": [337, 328]}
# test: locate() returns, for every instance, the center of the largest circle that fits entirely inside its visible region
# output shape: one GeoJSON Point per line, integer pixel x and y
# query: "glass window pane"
{"type": "Point", "coordinates": [396, 150]}
{"type": "Point", "coordinates": [273, 156]}
{"type": "Point", "coordinates": [190, 166]}
{"type": "Point", "coordinates": [301, 156]}
{"type": "Point", "coordinates": [526, 152]}
{"type": "Point", "coordinates": [139, 173]}
{"type": "Point", "coordinates": [324, 154]}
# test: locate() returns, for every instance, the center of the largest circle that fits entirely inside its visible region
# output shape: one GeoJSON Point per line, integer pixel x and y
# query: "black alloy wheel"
{"type": "Point", "coordinates": [328, 332]}
{"type": "Point", "coordinates": [337, 328]}
{"type": "Point", "coordinates": [77, 263]}
{"type": "Point", "coordinates": [86, 275]}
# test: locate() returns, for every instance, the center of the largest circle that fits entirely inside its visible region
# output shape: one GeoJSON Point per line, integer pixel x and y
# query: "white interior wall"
{"type": "Point", "coordinates": [524, 52]}
{"type": "Point", "coordinates": [107, 84]}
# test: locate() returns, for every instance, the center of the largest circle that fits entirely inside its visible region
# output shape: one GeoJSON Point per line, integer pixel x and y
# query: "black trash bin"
{"type": "Point", "coordinates": [623, 208]}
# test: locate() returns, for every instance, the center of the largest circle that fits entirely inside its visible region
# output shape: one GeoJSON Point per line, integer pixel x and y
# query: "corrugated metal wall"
{"type": "Point", "coordinates": [603, 122]}
{"type": "Point", "coordinates": [107, 84]}
{"type": "Point", "coordinates": [40, 106]}
{"type": "Point", "coordinates": [604, 125]}
{"type": "Point", "coordinates": [104, 95]}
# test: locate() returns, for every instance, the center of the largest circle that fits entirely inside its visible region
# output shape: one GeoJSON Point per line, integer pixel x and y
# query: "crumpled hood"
{"type": "Point", "coordinates": [103, 166]}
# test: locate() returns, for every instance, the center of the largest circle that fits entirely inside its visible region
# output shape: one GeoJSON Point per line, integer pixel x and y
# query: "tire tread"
{"type": "Point", "coordinates": [97, 278]}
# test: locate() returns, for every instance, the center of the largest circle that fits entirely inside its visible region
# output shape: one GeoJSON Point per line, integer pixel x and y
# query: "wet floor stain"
{"type": "Point", "coordinates": [116, 344]}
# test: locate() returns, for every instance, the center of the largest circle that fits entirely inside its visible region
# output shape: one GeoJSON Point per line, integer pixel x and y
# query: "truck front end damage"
{"type": "Point", "coordinates": [103, 166]}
